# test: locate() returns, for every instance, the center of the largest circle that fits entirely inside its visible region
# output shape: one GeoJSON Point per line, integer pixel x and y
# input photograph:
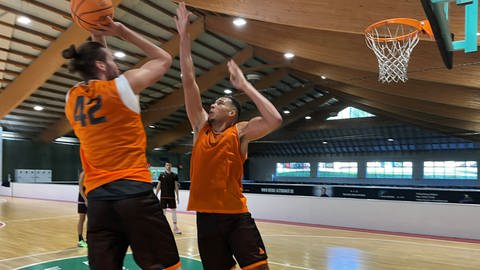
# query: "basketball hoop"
{"type": "Point", "coordinates": [393, 41]}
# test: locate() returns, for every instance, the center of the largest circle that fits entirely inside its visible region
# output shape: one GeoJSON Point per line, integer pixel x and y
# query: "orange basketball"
{"type": "Point", "coordinates": [89, 13]}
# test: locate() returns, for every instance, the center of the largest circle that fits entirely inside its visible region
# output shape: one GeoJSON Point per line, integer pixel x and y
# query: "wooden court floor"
{"type": "Point", "coordinates": [38, 230]}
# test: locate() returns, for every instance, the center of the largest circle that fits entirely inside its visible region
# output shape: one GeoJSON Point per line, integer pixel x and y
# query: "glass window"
{"type": "Point", "coordinates": [351, 112]}
{"type": "Point", "coordinates": [156, 171]}
{"type": "Point", "coordinates": [389, 169]}
{"type": "Point", "coordinates": [450, 170]}
{"type": "Point", "coordinates": [293, 169]}
{"type": "Point", "coordinates": [337, 169]}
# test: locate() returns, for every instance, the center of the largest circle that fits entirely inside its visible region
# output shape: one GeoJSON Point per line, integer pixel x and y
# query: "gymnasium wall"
{"type": "Point", "coordinates": [436, 219]}
{"type": "Point", "coordinates": [62, 159]}
{"type": "Point", "coordinates": [262, 168]}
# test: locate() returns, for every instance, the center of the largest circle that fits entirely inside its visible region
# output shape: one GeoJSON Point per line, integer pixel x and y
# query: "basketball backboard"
{"type": "Point", "coordinates": [437, 14]}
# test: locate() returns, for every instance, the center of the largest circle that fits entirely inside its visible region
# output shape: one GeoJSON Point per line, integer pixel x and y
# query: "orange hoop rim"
{"type": "Point", "coordinates": [421, 26]}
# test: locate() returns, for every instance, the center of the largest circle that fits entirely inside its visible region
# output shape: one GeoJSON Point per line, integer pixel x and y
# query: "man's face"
{"type": "Point", "coordinates": [112, 70]}
{"type": "Point", "coordinates": [221, 109]}
{"type": "Point", "coordinates": [168, 166]}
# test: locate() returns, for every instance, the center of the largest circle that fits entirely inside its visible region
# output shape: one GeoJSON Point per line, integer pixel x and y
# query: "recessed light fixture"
{"type": "Point", "coordinates": [193, 132]}
{"type": "Point", "coordinates": [24, 20]}
{"type": "Point", "coordinates": [38, 108]}
{"type": "Point", "coordinates": [119, 54]}
{"type": "Point", "coordinates": [151, 126]}
{"type": "Point", "coordinates": [308, 117]}
{"type": "Point", "coordinates": [288, 55]}
{"type": "Point", "coordinates": [239, 22]}
{"type": "Point", "coordinates": [390, 139]}
{"type": "Point", "coordinates": [325, 142]}
{"type": "Point", "coordinates": [227, 91]}
{"type": "Point", "coordinates": [323, 77]}
{"type": "Point", "coordinates": [158, 148]}
{"type": "Point", "coordinates": [286, 111]}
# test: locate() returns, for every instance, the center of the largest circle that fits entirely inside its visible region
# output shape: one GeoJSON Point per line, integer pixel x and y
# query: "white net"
{"type": "Point", "coordinates": [392, 43]}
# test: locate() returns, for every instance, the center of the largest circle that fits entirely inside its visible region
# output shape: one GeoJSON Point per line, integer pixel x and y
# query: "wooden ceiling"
{"type": "Point", "coordinates": [325, 36]}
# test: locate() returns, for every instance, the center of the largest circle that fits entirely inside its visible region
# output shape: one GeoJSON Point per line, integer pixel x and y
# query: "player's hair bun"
{"type": "Point", "coordinates": [70, 53]}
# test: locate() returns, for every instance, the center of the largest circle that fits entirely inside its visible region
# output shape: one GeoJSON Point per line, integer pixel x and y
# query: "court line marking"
{"type": "Point", "coordinates": [289, 265]}
{"type": "Point", "coordinates": [37, 219]}
{"type": "Point", "coordinates": [266, 235]}
{"type": "Point", "coordinates": [373, 239]}
{"type": "Point", "coordinates": [38, 254]}
{"type": "Point", "coordinates": [360, 238]}
{"type": "Point", "coordinates": [73, 257]}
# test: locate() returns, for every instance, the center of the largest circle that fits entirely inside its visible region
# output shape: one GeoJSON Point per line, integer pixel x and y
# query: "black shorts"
{"type": "Point", "coordinates": [138, 222]}
{"type": "Point", "coordinates": [168, 203]}
{"type": "Point", "coordinates": [224, 236]}
{"type": "Point", "coordinates": [81, 206]}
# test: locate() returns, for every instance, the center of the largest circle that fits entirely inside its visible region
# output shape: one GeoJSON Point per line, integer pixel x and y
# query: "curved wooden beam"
{"type": "Point", "coordinates": [183, 129]}
{"type": "Point", "coordinates": [348, 51]}
{"type": "Point", "coordinates": [168, 105]}
{"type": "Point", "coordinates": [341, 15]}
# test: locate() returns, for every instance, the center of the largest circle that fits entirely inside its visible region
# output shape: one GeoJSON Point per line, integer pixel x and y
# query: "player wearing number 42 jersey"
{"type": "Point", "coordinates": [104, 112]}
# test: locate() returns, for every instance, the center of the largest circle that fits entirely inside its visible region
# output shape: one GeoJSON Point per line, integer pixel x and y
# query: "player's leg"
{"type": "Point", "coordinates": [212, 242]}
{"type": "Point", "coordinates": [163, 205]}
{"type": "Point", "coordinates": [173, 207]}
{"type": "Point", "coordinates": [106, 237]}
{"type": "Point", "coordinates": [247, 244]}
{"type": "Point", "coordinates": [151, 238]}
{"type": "Point", "coordinates": [80, 225]}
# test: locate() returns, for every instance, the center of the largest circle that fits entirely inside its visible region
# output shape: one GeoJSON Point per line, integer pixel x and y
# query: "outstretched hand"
{"type": "Point", "coordinates": [112, 28]}
{"type": "Point", "coordinates": [237, 79]}
{"type": "Point", "coordinates": [181, 20]}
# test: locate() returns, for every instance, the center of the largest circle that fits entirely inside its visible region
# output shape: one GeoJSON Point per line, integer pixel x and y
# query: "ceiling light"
{"type": "Point", "coordinates": [323, 77]}
{"type": "Point", "coordinates": [193, 132]}
{"type": "Point", "coordinates": [151, 126]}
{"type": "Point", "coordinates": [289, 55]}
{"type": "Point", "coordinates": [9, 135]}
{"type": "Point", "coordinates": [227, 91]}
{"type": "Point", "coordinates": [239, 22]}
{"type": "Point", "coordinates": [286, 111]}
{"type": "Point", "coordinates": [38, 108]}
{"type": "Point", "coordinates": [67, 140]}
{"type": "Point", "coordinates": [325, 142]}
{"type": "Point", "coordinates": [308, 117]}
{"type": "Point", "coordinates": [119, 54]}
{"type": "Point", "coordinates": [159, 148]}
{"type": "Point", "coordinates": [24, 20]}
{"type": "Point", "coordinates": [390, 140]}
{"type": "Point", "coordinates": [253, 77]}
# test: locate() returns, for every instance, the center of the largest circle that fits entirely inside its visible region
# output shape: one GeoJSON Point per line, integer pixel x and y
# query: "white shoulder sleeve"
{"type": "Point", "coordinates": [127, 95]}
{"type": "Point", "coordinates": [67, 95]}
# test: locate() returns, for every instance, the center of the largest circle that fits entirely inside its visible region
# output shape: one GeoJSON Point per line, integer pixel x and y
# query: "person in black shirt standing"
{"type": "Point", "coordinates": [168, 183]}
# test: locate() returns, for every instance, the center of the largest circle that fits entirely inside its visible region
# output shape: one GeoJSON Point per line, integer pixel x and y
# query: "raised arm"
{"type": "Point", "coordinates": [100, 39]}
{"type": "Point", "coordinates": [193, 101]}
{"type": "Point", "coordinates": [269, 118]}
{"type": "Point", "coordinates": [151, 71]}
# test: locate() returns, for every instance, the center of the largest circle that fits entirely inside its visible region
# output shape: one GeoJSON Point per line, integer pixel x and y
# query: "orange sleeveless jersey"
{"type": "Point", "coordinates": [216, 171]}
{"type": "Point", "coordinates": [112, 136]}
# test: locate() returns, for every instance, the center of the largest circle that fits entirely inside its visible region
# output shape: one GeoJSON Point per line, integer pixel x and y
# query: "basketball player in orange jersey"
{"type": "Point", "coordinates": [225, 227]}
{"type": "Point", "coordinates": [104, 112]}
